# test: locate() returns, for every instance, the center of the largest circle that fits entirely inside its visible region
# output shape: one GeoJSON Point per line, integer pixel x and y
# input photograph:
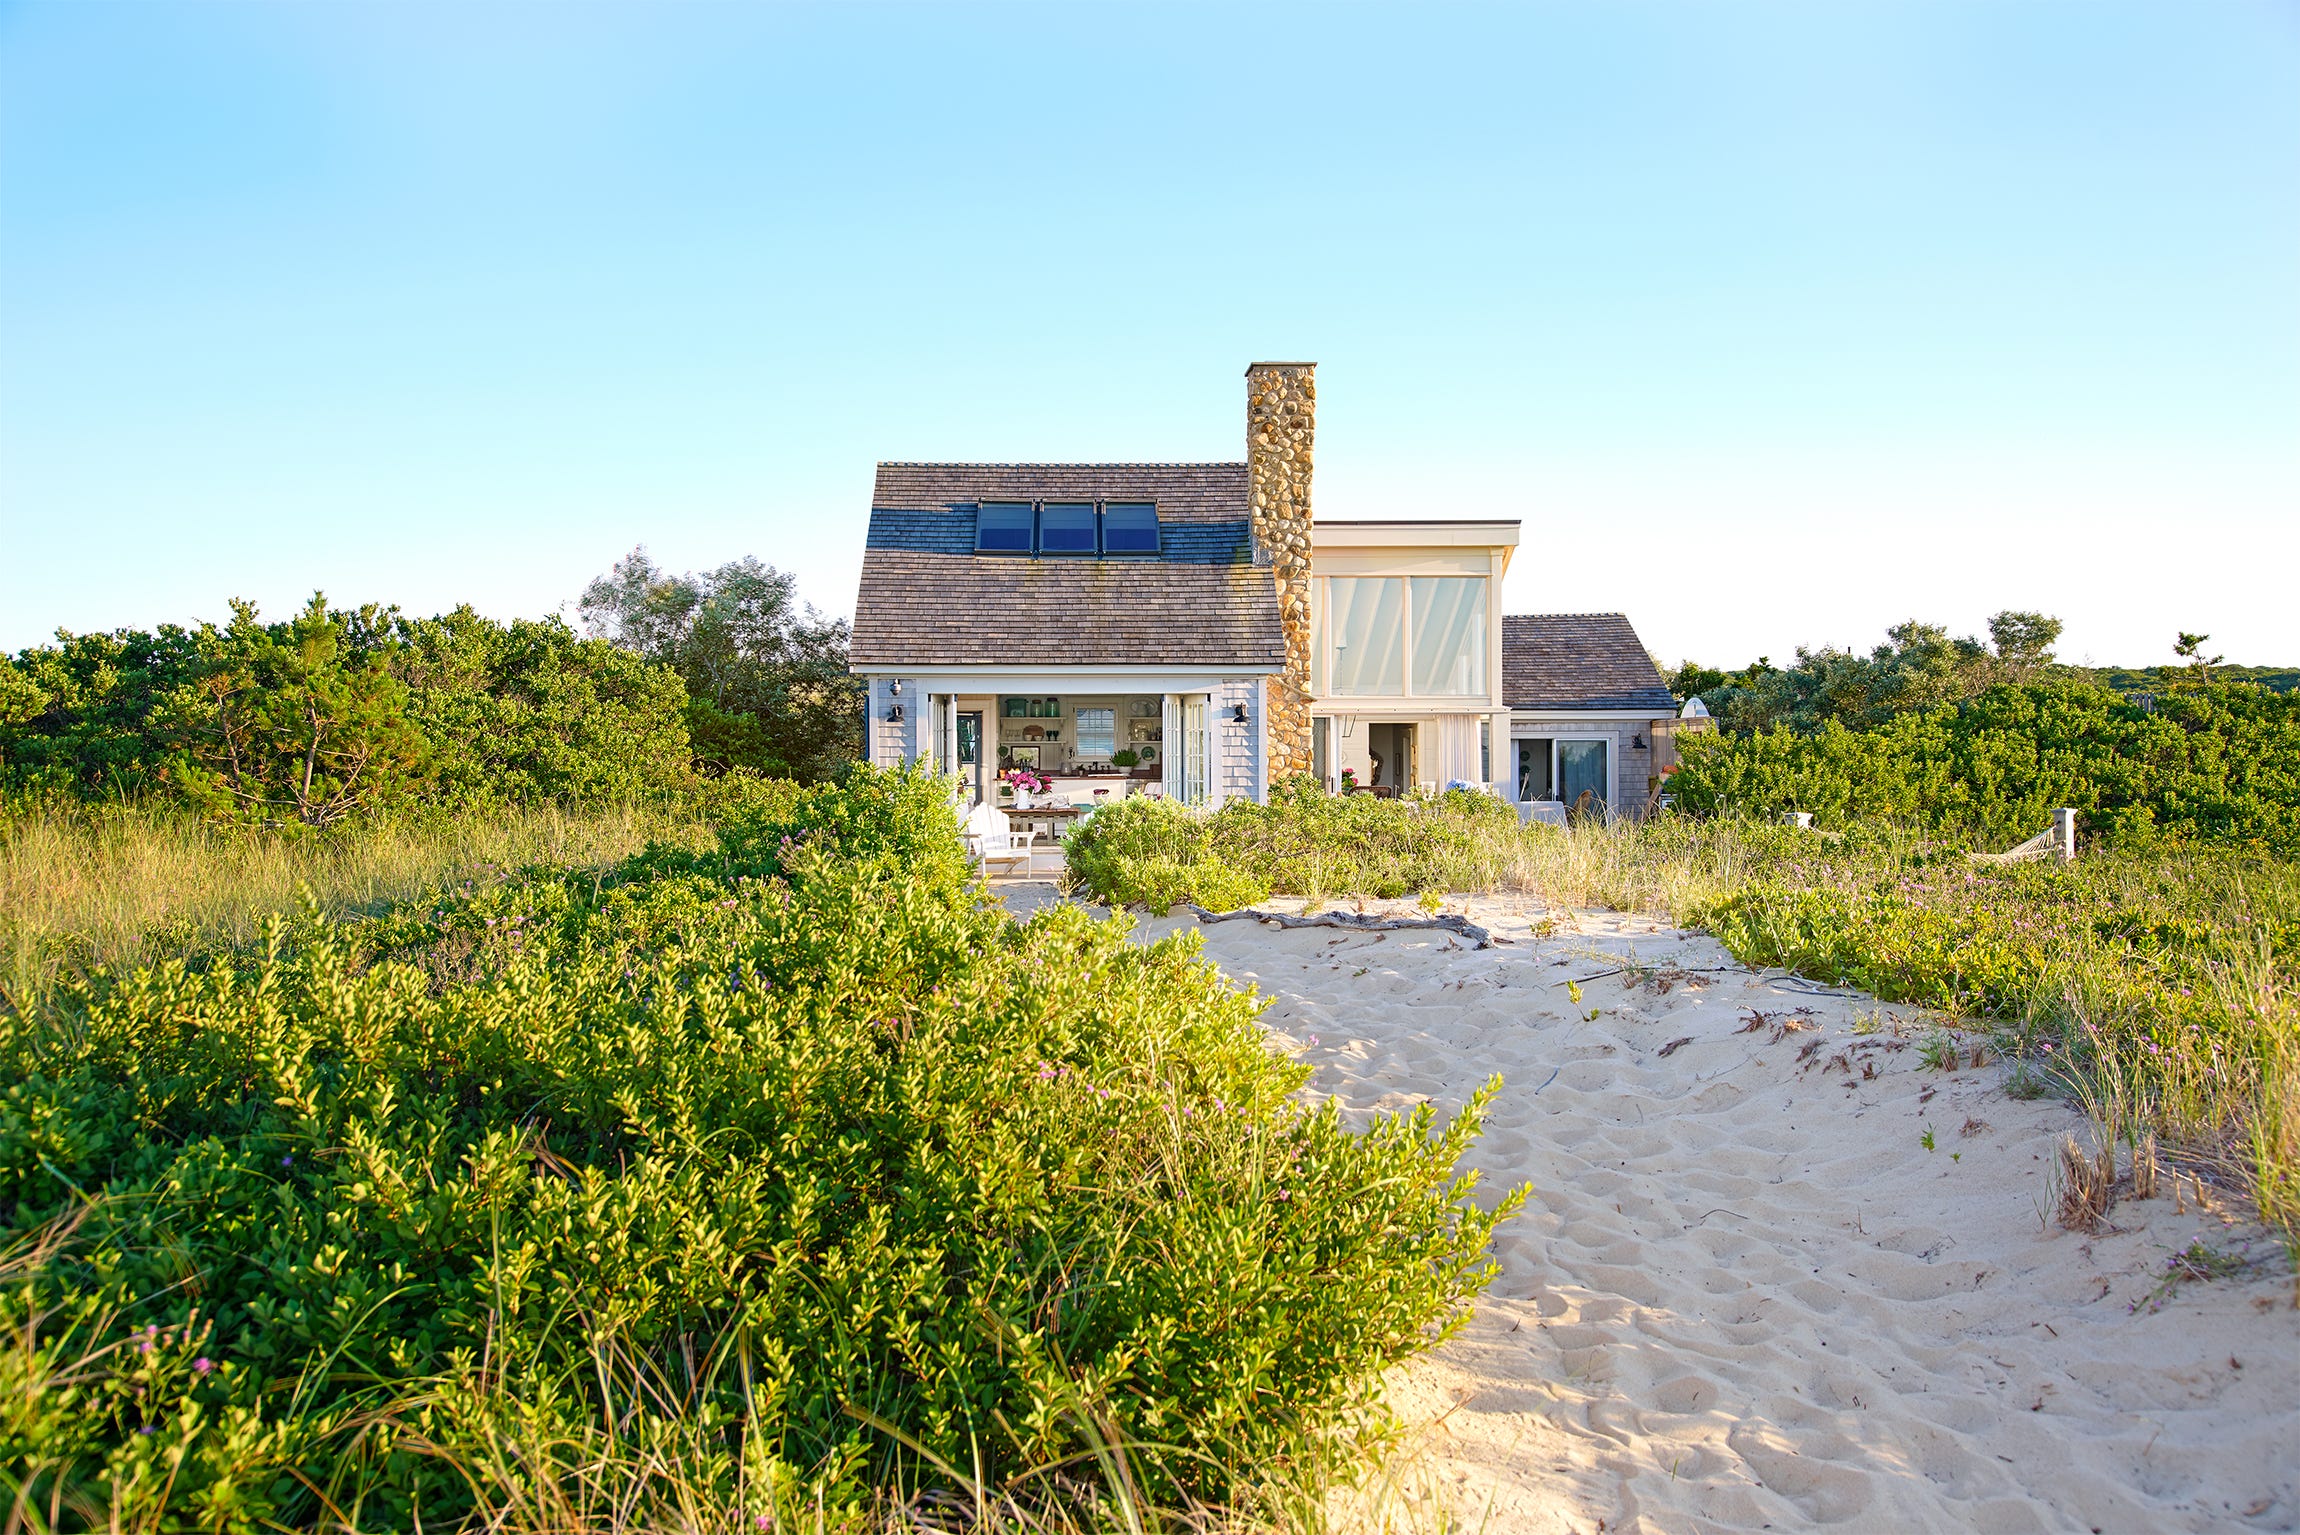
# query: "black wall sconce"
{"type": "Point", "coordinates": [1637, 741]}
{"type": "Point", "coordinates": [1238, 713]}
{"type": "Point", "coordinates": [894, 715]}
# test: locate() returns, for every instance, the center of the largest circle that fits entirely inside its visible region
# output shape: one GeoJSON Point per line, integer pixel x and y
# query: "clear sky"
{"type": "Point", "coordinates": [1775, 324]}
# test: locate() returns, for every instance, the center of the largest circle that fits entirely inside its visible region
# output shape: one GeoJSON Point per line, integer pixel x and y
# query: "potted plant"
{"type": "Point", "coordinates": [1125, 757]}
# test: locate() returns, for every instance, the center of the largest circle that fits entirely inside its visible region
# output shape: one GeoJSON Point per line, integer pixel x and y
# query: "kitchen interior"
{"type": "Point", "coordinates": [1095, 747]}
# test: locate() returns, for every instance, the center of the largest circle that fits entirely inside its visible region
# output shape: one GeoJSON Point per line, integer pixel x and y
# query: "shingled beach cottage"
{"type": "Point", "coordinates": [1190, 630]}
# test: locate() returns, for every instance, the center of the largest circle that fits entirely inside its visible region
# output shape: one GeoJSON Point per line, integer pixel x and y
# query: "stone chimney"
{"type": "Point", "coordinates": [1281, 421]}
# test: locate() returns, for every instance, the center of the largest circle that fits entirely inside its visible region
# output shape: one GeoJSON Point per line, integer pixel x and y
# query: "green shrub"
{"type": "Point", "coordinates": [2218, 763]}
{"type": "Point", "coordinates": [806, 1174]}
{"type": "Point", "coordinates": [1303, 842]}
{"type": "Point", "coordinates": [458, 710]}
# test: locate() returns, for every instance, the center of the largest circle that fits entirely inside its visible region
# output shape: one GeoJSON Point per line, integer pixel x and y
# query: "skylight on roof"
{"type": "Point", "coordinates": [1073, 529]}
{"type": "Point", "coordinates": [1130, 527]}
{"type": "Point", "coordinates": [1066, 527]}
{"type": "Point", "coordinates": [1002, 527]}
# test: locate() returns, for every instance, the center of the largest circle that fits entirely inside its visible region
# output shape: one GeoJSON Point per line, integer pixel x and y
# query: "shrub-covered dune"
{"type": "Point", "coordinates": [784, 1180]}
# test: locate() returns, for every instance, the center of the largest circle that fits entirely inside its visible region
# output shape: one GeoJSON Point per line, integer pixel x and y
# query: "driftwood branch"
{"type": "Point", "coordinates": [1352, 921]}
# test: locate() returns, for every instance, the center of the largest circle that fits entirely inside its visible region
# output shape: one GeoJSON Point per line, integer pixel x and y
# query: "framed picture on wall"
{"type": "Point", "coordinates": [1024, 757]}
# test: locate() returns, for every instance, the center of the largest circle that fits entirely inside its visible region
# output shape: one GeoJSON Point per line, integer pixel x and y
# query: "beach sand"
{"type": "Point", "coordinates": [1744, 1294]}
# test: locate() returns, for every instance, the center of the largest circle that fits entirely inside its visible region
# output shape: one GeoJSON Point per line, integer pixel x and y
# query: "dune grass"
{"type": "Point", "coordinates": [106, 885]}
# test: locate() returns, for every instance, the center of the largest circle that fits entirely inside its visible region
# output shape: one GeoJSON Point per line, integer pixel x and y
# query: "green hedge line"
{"type": "Point", "coordinates": [2220, 763]}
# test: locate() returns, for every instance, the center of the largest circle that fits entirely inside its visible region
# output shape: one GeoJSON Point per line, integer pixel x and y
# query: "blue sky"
{"type": "Point", "coordinates": [1775, 324]}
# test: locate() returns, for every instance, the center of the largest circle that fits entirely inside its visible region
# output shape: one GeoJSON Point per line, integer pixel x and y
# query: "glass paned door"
{"type": "Point", "coordinates": [1581, 770]}
{"type": "Point", "coordinates": [1194, 764]}
{"type": "Point", "coordinates": [970, 754]}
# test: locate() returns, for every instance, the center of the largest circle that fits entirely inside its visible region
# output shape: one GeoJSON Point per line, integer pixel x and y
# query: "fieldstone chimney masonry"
{"type": "Point", "coordinates": [1281, 421]}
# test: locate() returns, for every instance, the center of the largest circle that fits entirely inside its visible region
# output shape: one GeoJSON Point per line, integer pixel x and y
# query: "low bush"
{"type": "Point", "coordinates": [786, 1184]}
{"type": "Point", "coordinates": [1303, 842]}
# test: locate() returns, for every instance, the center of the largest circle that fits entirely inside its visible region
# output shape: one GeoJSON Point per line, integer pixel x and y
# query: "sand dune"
{"type": "Point", "coordinates": [1745, 1295]}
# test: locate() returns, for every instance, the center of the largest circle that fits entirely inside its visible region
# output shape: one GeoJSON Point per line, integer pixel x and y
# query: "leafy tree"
{"type": "Point", "coordinates": [530, 710]}
{"type": "Point", "coordinates": [2023, 642]}
{"type": "Point", "coordinates": [767, 679]}
{"type": "Point", "coordinates": [20, 696]}
{"type": "Point", "coordinates": [299, 722]}
{"type": "Point", "coordinates": [504, 713]}
{"type": "Point", "coordinates": [2190, 648]}
{"type": "Point", "coordinates": [1920, 666]}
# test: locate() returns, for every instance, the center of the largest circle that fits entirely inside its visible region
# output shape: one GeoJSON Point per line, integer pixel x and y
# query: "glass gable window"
{"type": "Point", "coordinates": [1365, 631]}
{"type": "Point", "coordinates": [1066, 527]}
{"type": "Point", "coordinates": [1130, 527]}
{"type": "Point", "coordinates": [1002, 527]}
{"type": "Point", "coordinates": [1449, 635]}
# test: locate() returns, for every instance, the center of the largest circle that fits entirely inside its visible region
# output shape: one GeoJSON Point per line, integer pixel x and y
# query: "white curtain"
{"type": "Point", "coordinates": [1449, 636]}
{"type": "Point", "coordinates": [1366, 631]}
{"type": "Point", "coordinates": [1456, 755]}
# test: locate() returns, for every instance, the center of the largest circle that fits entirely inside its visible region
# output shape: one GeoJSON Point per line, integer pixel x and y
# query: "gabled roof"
{"type": "Point", "coordinates": [1578, 661]}
{"type": "Point", "coordinates": [1184, 492]}
{"type": "Point", "coordinates": [928, 599]}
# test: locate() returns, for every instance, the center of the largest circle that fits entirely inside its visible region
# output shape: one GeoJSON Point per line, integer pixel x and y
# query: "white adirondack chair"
{"type": "Point", "coordinates": [991, 839]}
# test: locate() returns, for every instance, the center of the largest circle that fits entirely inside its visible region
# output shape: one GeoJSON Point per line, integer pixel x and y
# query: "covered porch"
{"type": "Point", "coordinates": [1053, 745]}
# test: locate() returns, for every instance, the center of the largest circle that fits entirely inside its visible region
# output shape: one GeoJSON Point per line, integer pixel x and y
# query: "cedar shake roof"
{"type": "Point", "coordinates": [1578, 661]}
{"type": "Point", "coordinates": [928, 599]}
{"type": "Point", "coordinates": [1184, 492]}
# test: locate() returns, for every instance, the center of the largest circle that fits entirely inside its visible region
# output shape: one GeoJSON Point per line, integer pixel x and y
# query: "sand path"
{"type": "Point", "coordinates": [1745, 1295]}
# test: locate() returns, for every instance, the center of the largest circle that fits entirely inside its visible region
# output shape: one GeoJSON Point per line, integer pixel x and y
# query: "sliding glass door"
{"type": "Point", "coordinates": [1564, 770]}
{"type": "Point", "coordinates": [1581, 770]}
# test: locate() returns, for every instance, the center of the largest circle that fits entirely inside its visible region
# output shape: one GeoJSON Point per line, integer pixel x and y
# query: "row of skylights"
{"type": "Point", "coordinates": [1079, 529]}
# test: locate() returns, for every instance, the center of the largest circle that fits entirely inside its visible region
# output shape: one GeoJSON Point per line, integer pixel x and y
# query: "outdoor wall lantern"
{"type": "Point", "coordinates": [1637, 741]}
{"type": "Point", "coordinates": [894, 715]}
{"type": "Point", "coordinates": [895, 687]}
{"type": "Point", "coordinates": [1238, 713]}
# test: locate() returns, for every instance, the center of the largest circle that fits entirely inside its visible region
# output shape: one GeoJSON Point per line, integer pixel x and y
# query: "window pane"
{"type": "Point", "coordinates": [1097, 732]}
{"type": "Point", "coordinates": [1129, 528]}
{"type": "Point", "coordinates": [1066, 528]}
{"type": "Point", "coordinates": [1449, 635]}
{"type": "Point", "coordinates": [1002, 527]}
{"type": "Point", "coordinates": [1581, 770]}
{"type": "Point", "coordinates": [1367, 630]}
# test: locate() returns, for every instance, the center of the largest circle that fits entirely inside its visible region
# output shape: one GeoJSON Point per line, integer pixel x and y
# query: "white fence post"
{"type": "Point", "coordinates": [2064, 834]}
